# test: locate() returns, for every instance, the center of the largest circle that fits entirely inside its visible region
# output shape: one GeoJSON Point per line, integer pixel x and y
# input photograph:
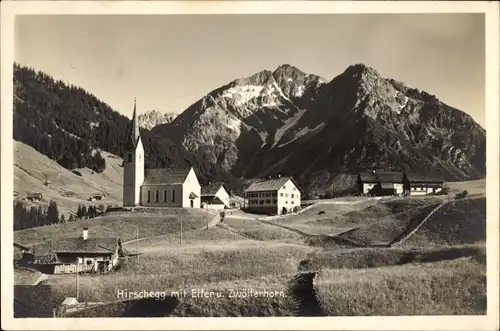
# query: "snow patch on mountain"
{"type": "Point", "coordinates": [288, 124]}
{"type": "Point", "coordinates": [302, 132]}
{"type": "Point", "coordinates": [242, 94]}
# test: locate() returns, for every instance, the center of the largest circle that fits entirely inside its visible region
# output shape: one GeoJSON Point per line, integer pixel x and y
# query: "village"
{"type": "Point", "coordinates": [164, 189]}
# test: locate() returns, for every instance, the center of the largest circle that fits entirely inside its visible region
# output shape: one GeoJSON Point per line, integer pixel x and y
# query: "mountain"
{"type": "Point", "coordinates": [152, 118]}
{"type": "Point", "coordinates": [67, 188]}
{"type": "Point", "coordinates": [73, 127]}
{"type": "Point", "coordinates": [322, 132]}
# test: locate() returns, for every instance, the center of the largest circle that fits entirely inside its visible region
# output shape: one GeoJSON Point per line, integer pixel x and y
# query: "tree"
{"type": "Point", "coordinates": [52, 213]}
{"type": "Point", "coordinates": [71, 218]}
{"type": "Point", "coordinates": [63, 219]}
{"type": "Point", "coordinates": [84, 211]}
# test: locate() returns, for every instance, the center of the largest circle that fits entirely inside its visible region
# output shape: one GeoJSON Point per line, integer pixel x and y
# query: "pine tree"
{"type": "Point", "coordinates": [84, 212]}
{"type": "Point", "coordinates": [79, 211]}
{"type": "Point", "coordinates": [63, 219]}
{"type": "Point", "coordinates": [52, 213]}
{"type": "Point", "coordinates": [71, 218]}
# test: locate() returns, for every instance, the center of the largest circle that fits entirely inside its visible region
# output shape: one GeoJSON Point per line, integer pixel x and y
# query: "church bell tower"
{"type": "Point", "coordinates": [133, 165]}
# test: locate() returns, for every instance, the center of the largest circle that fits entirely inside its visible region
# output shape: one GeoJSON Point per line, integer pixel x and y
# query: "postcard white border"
{"type": "Point", "coordinates": [491, 10]}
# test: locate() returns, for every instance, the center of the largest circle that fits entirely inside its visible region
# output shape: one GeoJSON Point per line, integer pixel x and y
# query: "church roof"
{"type": "Point", "coordinates": [169, 176]}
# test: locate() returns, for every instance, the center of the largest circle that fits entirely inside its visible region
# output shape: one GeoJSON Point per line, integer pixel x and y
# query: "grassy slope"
{"type": "Point", "coordinates": [119, 224]}
{"type": "Point", "coordinates": [459, 222]}
{"type": "Point", "coordinates": [32, 169]}
{"type": "Point", "coordinates": [255, 255]}
{"type": "Point", "coordinates": [455, 287]}
{"type": "Point", "coordinates": [24, 276]}
{"type": "Point", "coordinates": [191, 267]}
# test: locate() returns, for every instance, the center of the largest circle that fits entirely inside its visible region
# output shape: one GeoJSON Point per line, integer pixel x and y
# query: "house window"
{"type": "Point", "coordinates": [165, 196]}
{"type": "Point", "coordinates": [291, 202]}
{"type": "Point", "coordinates": [286, 195]}
{"type": "Point", "coordinates": [173, 195]}
{"type": "Point", "coordinates": [149, 196]}
{"type": "Point", "coordinates": [129, 157]}
{"type": "Point", "coordinates": [284, 187]}
{"type": "Point", "coordinates": [275, 194]}
{"type": "Point", "coordinates": [286, 202]}
{"type": "Point", "coordinates": [157, 197]}
{"type": "Point", "coordinates": [281, 194]}
{"type": "Point", "coordinates": [268, 201]}
{"type": "Point", "coordinates": [89, 262]}
{"type": "Point", "coordinates": [292, 195]}
{"type": "Point", "coordinates": [275, 201]}
{"type": "Point", "coordinates": [261, 202]}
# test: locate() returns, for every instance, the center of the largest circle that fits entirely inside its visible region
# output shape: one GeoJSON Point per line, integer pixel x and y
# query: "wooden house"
{"type": "Point", "coordinates": [83, 254]}
{"type": "Point", "coordinates": [422, 185]}
{"type": "Point", "coordinates": [381, 183]}
{"type": "Point", "coordinates": [278, 196]}
{"type": "Point", "coordinates": [34, 196]}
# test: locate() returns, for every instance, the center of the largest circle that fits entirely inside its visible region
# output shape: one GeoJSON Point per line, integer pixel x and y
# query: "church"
{"type": "Point", "coordinates": [162, 187]}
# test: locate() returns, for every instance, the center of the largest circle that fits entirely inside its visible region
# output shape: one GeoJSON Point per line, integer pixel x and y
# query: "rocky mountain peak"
{"type": "Point", "coordinates": [152, 118]}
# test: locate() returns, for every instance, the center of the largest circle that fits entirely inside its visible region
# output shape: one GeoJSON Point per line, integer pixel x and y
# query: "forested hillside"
{"type": "Point", "coordinates": [70, 125]}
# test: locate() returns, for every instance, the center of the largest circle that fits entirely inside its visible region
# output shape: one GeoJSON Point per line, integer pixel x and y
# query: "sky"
{"type": "Point", "coordinates": [168, 62]}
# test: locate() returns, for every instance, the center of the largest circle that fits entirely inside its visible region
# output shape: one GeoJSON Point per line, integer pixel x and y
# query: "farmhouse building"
{"type": "Point", "coordinates": [422, 185]}
{"type": "Point", "coordinates": [162, 187]}
{"type": "Point", "coordinates": [381, 183]}
{"type": "Point", "coordinates": [397, 183]}
{"type": "Point", "coordinates": [215, 196]}
{"type": "Point", "coordinates": [273, 196]}
{"type": "Point", "coordinates": [71, 255]}
{"type": "Point", "coordinates": [34, 196]}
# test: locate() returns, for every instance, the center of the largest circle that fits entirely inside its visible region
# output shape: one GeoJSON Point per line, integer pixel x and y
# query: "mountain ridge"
{"type": "Point", "coordinates": [260, 126]}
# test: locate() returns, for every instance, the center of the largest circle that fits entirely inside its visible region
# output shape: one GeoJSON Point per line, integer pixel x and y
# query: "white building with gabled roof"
{"type": "Point", "coordinates": [162, 187]}
{"type": "Point", "coordinates": [278, 196]}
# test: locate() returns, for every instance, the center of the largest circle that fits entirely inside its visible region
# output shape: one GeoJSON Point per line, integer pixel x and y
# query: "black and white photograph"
{"type": "Point", "coordinates": [226, 160]}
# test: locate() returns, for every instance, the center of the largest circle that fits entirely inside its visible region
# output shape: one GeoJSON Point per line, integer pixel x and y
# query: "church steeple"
{"type": "Point", "coordinates": [133, 164]}
{"type": "Point", "coordinates": [135, 125]}
{"type": "Point", "coordinates": [134, 135]}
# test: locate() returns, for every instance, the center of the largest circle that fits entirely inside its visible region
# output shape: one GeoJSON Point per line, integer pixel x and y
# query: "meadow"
{"type": "Point", "coordinates": [440, 270]}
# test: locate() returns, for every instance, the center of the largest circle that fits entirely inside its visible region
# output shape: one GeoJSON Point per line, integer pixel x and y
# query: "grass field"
{"type": "Point", "coordinates": [440, 270]}
{"type": "Point", "coordinates": [119, 224]}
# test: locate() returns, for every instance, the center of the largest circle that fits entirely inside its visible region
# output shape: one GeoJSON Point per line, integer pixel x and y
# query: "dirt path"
{"type": "Point", "coordinates": [301, 289]}
{"type": "Point", "coordinates": [41, 279]}
{"type": "Point", "coordinates": [399, 241]}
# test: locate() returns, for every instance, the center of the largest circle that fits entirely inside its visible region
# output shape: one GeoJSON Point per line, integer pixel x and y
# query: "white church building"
{"type": "Point", "coordinates": [162, 187]}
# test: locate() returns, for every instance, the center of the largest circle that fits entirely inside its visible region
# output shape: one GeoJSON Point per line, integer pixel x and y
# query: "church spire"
{"type": "Point", "coordinates": [135, 125]}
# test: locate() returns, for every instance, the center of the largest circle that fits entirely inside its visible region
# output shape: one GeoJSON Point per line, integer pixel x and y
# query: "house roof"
{"type": "Point", "coordinates": [70, 301]}
{"type": "Point", "coordinates": [192, 195]}
{"type": "Point", "coordinates": [381, 177]}
{"type": "Point", "coordinates": [212, 188]}
{"type": "Point", "coordinates": [165, 176]}
{"type": "Point", "coordinates": [78, 245]}
{"type": "Point", "coordinates": [423, 178]}
{"type": "Point", "coordinates": [212, 200]}
{"type": "Point", "coordinates": [272, 184]}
